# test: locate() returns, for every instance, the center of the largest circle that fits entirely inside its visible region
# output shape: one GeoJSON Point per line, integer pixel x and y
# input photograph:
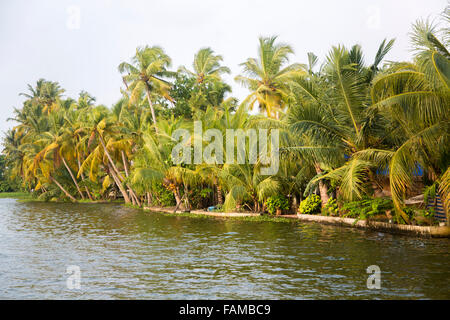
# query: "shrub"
{"type": "Point", "coordinates": [200, 197]}
{"type": "Point", "coordinates": [331, 208]}
{"type": "Point", "coordinates": [366, 208]}
{"type": "Point", "coordinates": [162, 196]}
{"type": "Point", "coordinates": [277, 202]}
{"type": "Point", "coordinates": [409, 212]}
{"type": "Point", "coordinates": [310, 205]}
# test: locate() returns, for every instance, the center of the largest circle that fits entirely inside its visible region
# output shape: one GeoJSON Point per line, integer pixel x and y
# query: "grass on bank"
{"type": "Point", "coordinates": [25, 196]}
{"type": "Point", "coordinates": [16, 195]}
{"type": "Point", "coordinates": [260, 218]}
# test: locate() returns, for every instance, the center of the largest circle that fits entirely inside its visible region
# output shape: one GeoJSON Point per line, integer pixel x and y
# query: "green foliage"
{"type": "Point", "coordinates": [429, 213]}
{"type": "Point", "coordinates": [310, 205]}
{"type": "Point", "coordinates": [340, 126]}
{"type": "Point", "coordinates": [277, 202]}
{"type": "Point", "coordinates": [366, 208]}
{"type": "Point", "coordinates": [410, 212]}
{"type": "Point", "coordinates": [199, 197]}
{"type": "Point", "coordinates": [162, 196]}
{"type": "Point", "coordinates": [7, 183]}
{"type": "Point", "coordinates": [429, 193]}
{"type": "Point", "coordinates": [181, 92]}
{"type": "Point", "coordinates": [331, 208]}
{"type": "Point", "coordinates": [16, 195]}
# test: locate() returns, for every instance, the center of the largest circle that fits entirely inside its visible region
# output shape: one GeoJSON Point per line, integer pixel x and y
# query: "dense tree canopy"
{"type": "Point", "coordinates": [348, 130]}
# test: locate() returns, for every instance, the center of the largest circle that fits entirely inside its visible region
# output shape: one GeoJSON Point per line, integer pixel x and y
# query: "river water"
{"type": "Point", "coordinates": [123, 253]}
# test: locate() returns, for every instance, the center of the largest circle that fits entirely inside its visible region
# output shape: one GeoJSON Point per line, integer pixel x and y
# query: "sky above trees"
{"type": "Point", "coordinates": [81, 43]}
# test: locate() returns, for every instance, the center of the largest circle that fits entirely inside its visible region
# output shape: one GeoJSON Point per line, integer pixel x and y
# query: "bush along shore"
{"type": "Point", "coordinates": [379, 221]}
{"type": "Point", "coordinates": [362, 142]}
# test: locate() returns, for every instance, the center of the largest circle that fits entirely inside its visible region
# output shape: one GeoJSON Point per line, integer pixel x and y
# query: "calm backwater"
{"type": "Point", "coordinates": [125, 253]}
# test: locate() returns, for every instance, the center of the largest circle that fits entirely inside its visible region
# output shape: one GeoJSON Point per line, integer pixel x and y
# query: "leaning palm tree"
{"type": "Point", "coordinates": [99, 132]}
{"type": "Point", "coordinates": [268, 77]}
{"type": "Point", "coordinates": [146, 73]}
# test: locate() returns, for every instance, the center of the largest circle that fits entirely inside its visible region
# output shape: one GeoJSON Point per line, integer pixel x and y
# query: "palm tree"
{"type": "Point", "coordinates": [206, 66]}
{"type": "Point", "coordinates": [415, 98]}
{"type": "Point", "coordinates": [101, 129]}
{"type": "Point", "coordinates": [268, 77]}
{"type": "Point", "coordinates": [45, 94]}
{"type": "Point", "coordinates": [244, 182]}
{"type": "Point", "coordinates": [146, 73]}
{"type": "Point", "coordinates": [14, 155]}
{"type": "Point", "coordinates": [330, 115]}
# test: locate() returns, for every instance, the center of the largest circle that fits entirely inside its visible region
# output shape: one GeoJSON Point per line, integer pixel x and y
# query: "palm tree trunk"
{"type": "Point", "coordinates": [82, 177]}
{"type": "Point", "coordinates": [178, 204]}
{"type": "Point", "coordinates": [133, 195]}
{"type": "Point", "coordinates": [73, 178]}
{"type": "Point", "coordinates": [323, 189]}
{"type": "Point", "coordinates": [63, 190]}
{"type": "Point", "coordinates": [219, 192]}
{"type": "Point", "coordinates": [119, 185]}
{"type": "Point", "coordinates": [186, 197]}
{"type": "Point", "coordinates": [125, 165]}
{"type": "Point", "coordinates": [151, 108]}
{"type": "Point", "coordinates": [110, 160]}
{"type": "Point", "coordinates": [125, 162]}
{"type": "Point", "coordinates": [176, 194]}
{"type": "Point", "coordinates": [148, 199]}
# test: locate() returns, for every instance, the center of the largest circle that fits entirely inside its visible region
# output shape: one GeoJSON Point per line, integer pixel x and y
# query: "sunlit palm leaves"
{"type": "Point", "coordinates": [268, 77]}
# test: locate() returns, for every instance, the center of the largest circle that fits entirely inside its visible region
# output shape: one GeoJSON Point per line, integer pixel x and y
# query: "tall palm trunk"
{"type": "Point", "coordinates": [151, 107]}
{"type": "Point", "coordinates": [125, 162]}
{"type": "Point", "coordinates": [63, 190]}
{"type": "Point", "coordinates": [176, 194]}
{"type": "Point", "coordinates": [82, 177]}
{"type": "Point", "coordinates": [125, 165]}
{"type": "Point", "coordinates": [118, 175]}
{"type": "Point", "coordinates": [133, 202]}
{"type": "Point", "coordinates": [148, 199]}
{"type": "Point", "coordinates": [119, 185]}
{"type": "Point", "coordinates": [219, 192]}
{"type": "Point", "coordinates": [134, 196]}
{"type": "Point", "coordinates": [73, 178]}
{"type": "Point", "coordinates": [186, 197]}
{"type": "Point", "coordinates": [323, 189]}
{"type": "Point", "coordinates": [110, 159]}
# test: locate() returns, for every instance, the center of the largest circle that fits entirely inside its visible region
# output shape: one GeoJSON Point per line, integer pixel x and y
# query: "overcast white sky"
{"type": "Point", "coordinates": [45, 39]}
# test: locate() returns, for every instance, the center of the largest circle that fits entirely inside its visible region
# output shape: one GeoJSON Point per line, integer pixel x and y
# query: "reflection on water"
{"type": "Point", "coordinates": [127, 253]}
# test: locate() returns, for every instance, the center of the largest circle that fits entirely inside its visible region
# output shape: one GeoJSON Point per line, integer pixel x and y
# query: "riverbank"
{"type": "Point", "coordinates": [425, 231]}
{"type": "Point", "coordinates": [247, 216]}
{"type": "Point", "coordinates": [421, 231]}
{"type": "Point", "coordinates": [16, 195]}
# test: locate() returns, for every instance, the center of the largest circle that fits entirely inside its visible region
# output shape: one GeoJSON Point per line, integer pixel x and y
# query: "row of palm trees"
{"type": "Point", "coordinates": [348, 129]}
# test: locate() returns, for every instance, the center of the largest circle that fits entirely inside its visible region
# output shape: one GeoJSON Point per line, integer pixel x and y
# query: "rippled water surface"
{"type": "Point", "coordinates": [129, 254]}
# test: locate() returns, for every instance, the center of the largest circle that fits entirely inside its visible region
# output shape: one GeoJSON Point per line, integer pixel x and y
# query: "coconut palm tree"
{"type": "Point", "coordinates": [206, 66]}
{"type": "Point", "coordinates": [146, 73]}
{"type": "Point", "coordinates": [415, 98]}
{"type": "Point", "coordinates": [269, 76]}
{"type": "Point", "coordinates": [46, 94]}
{"type": "Point", "coordinates": [100, 129]}
{"type": "Point", "coordinates": [331, 117]}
